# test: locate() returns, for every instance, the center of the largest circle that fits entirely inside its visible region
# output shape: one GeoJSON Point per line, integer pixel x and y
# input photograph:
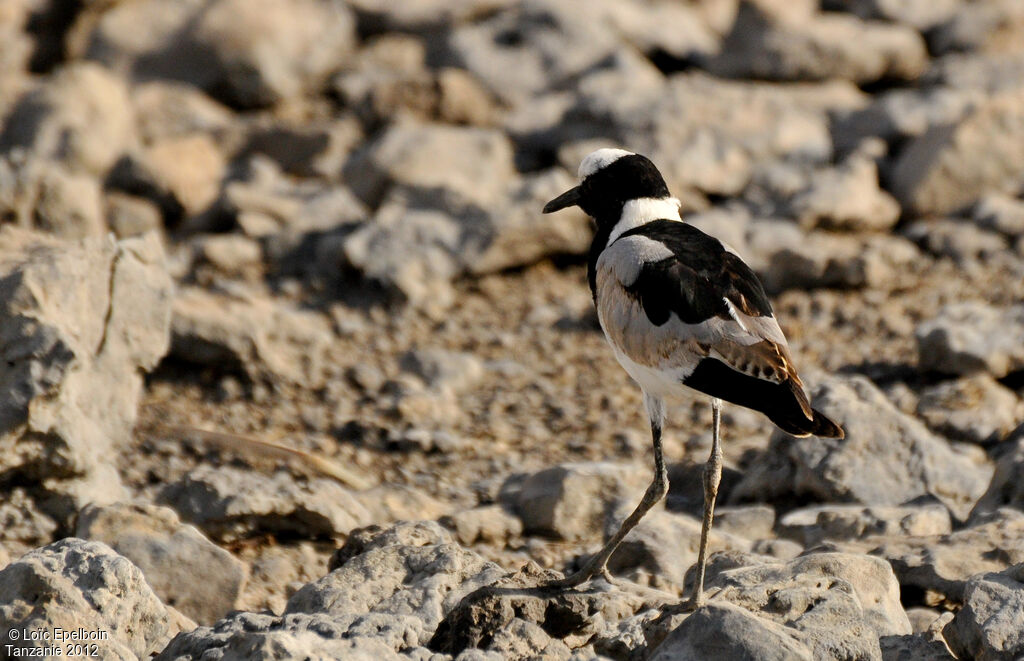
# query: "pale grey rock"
{"type": "Point", "coordinates": [81, 322]}
{"type": "Point", "coordinates": [985, 72]}
{"type": "Point", "coordinates": [411, 575]}
{"type": "Point", "coordinates": [675, 29]}
{"type": "Point", "coordinates": [421, 239]}
{"type": "Point", "coordinates": [988, 25]}
{"type": "Point", "coordinates": [69, 205]}
{"type": "Point", "coordinates": [24, 520]}
{"type": "Point", "coordinates": [306, 148]}
{"type": "Point", "coordinates": [277, 572]}
{"type": "Point", "coordinates": [521, 639]}
{"type": "Point", "coordinates": [532, 46]}
{"type": "Point", "coordinates": [231, 503]}
{"type": "Point", "coordinates": [81, 117]}
{"type": "Point", "coordinates": [705, 133]}
{"type": "Point", "coordinates": [748, 521]}
{"type": "Point", "coordinates": [976, 408]}
{"type": "Point", "coordinates": [566, 617]}
{"type": "Point", "coordinates": [472, 164]}
{"type": "Point", "coordinates": [389, 78]}
{"type": "Point", "coordinates": [422, 16]}
{"type": "Point", "coordinates": [903, 113]}
{"type": "Point", "coordinates": [823, 605]}
{"type": "Point", "coordinates": [1006, 488]}
{"type": "Point", "coordinates": [184, 568]}
{"type": "Point", "coordinates": [990, 626]}
{"type": "Point", "coordinates": [146, 40]}
{"type": "Point", "coordinates": [265, 636]}
{"type": "Point", "coordinates": [170, 109]}
{"type": "Point", "coordinates": [488, 524]}
{"type": "Point", "coordinates": [441, 369]}
{"type": "Point", "coordinates": [188, 169]}
{"type": "Point", "coordinates": [46, 195]}
{"type": "Point", "coordinates": [266, 339]}
{"type": "Point", "coordinates": [521, 236]}
{"type": "Point", "coordinates": [721, 630]}
{"type": "Point", "coordinates": [793, 259]}
{"type": "Point", "coordinates": [17, 52]}
{"type": "Point", "coordinates": [230, 253]}
{"type": "Point", "coordinates": [415, 250]}
{"type": "Point", "coordinates": [966, 338]}
{"type": "Point", "coordinates": [268, 204]}
{"type": "Point", "coordinates": [588, 117]}
{"type": "Point", "coordinates": [817, 47]}
{"type": "Point", "coordinates": [887, 457]}
{"type": "Point", "coordinates": [663, 546]}
{"type": "Point", "coordinates": [921, 618]}
{"type": "Point", "coordinates": [944, 563]}
{"type": "Point", "coordinates": [1000, 213]}
{"type": "Point", "coordinates": [921, 15]}
{"type": "Point", "coordinates": [863, 591]}
{"type": "Point", "coordinates": [814, 524]}
{"type": "Point", "coordinates": [846, 197]}
{"type": "Point", "coordinates": [962, 241]}
{"type": "Point", "coordinates": [75, 584]}
{"type": "Point", "coordinates": [950, 167]}
{"type": "Point", "coordinates": [399, 502]}
{"type": "Point", "coordinates": [128, 216]}
{"type": "Point", "coordinates": [573, 501]}
{"type": "Point", "coordinates": [915, 647]}
{"type": "Point", "coordinates": [274, 50]}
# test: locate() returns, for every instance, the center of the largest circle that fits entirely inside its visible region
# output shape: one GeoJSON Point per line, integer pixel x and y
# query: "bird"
{"type": "Point", "coordinates": [681, 310]}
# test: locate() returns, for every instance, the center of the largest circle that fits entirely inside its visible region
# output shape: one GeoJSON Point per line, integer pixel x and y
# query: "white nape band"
{"type": "Point", "coordinates": [599, 159]}
{"type": "Point", "coordinates": [642, 211]}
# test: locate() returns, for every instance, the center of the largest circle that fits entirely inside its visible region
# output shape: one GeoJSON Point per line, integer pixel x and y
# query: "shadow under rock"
{"type": "Point", "coordinates": [560, 612]}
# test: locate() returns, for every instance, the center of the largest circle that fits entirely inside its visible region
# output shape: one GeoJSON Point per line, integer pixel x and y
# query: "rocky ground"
{"type": "Point", "coordinates": [293, 366]}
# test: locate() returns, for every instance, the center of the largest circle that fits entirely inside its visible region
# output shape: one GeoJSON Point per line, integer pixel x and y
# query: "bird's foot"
{"type": "Point", "coordinates": [589, 572]}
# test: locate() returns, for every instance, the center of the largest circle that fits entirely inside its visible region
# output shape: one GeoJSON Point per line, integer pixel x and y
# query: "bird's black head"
{"type": "Point", "coordinates": [608, 179]}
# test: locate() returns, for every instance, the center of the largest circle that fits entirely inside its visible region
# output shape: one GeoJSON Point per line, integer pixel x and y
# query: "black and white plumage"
{"type": "Point", "coordinates": [680, 310]}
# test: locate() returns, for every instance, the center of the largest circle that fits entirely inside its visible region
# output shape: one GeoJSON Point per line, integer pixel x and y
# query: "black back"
{"type": "Point", "coordinates": [695, 281]}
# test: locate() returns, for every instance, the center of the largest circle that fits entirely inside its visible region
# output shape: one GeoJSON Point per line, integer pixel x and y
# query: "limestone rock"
{"type": "Point", "coordinates": [274, 50]}
{"type": "Point", "coordinates": [81, 322]}
{"type": "Point", "coordinates": [82, 118]}
{"type": "Point", "coordinates": [991, 624]}
{"type": "Point", "coordinates": [887, 457]}
{"type": "Point", "coordinates": [944, 563]}
{"type": "Point", "coordinates": [531, 46]}
{"type": "Point", "coordinates": [74, 584]}
{"type": "Point", "coordinates": [817, 47]}
{"type": "Point", "coordinates": [1006, 488]}
{"type": "Point", "coordinates": [470, 163]}
{"type": "Point", "coordinates": [261, 337]}
{"type": "Point", "coordinates": [662, 547]}
{"type": "Point", "coordinates": [231, 503]}
{"type": "Point", "coordinates": [720, 631]}
{"type": "Point", "coordinates": [973, 337]}
{"type": "Point", "coordinates": [811, 525]}
{"type": "Point", "coordinates": [573, 501]}
{"type": "Point", "coordinates": [847, 197]}
{"type": "Point", "coordinates": [183, 567]}
{"type": "Point", "coordinates": [975, 408]}
{"type": "Point", "coordinates": [952, 166]}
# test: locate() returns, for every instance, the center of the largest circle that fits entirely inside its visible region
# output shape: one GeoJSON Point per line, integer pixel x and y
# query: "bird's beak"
{"type": "Point", "coordinates": [569, 198]}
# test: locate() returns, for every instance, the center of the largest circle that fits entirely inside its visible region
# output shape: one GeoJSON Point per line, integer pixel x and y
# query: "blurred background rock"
{"type": "Point", "coordinates": [316, 223]}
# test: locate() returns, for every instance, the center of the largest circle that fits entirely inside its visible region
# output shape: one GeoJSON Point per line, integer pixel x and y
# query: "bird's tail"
{"type": "Point", "coordinates": [799, 425]}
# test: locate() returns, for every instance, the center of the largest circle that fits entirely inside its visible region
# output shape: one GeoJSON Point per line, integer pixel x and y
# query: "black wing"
{"type": "Point", "coordinates": [696, 280]}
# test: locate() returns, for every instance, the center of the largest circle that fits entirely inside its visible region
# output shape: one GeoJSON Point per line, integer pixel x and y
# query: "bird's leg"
{"type": "Point", "coordinates": [712, 478]}
{"type": "Point", "coordinates": [598, 564]}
